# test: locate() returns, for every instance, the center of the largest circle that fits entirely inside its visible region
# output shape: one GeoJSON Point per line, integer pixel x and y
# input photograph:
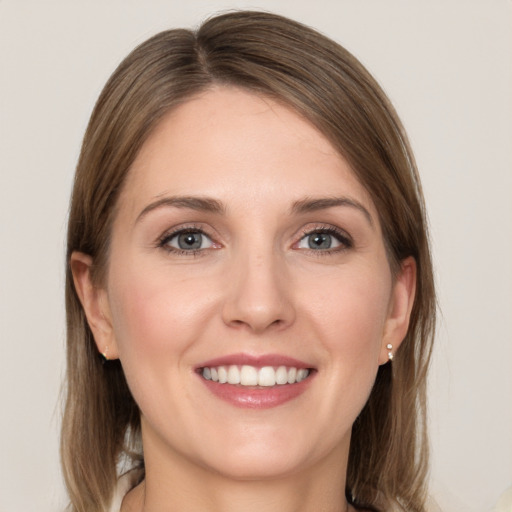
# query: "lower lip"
{"type": "Point", "coordinates": [257, 397]}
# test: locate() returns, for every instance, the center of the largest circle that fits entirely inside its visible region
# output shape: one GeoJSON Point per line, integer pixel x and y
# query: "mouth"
{"type": "Point", "coordinates": [256, 381]}
{"type": "Point", "coordinates": [250, 376]}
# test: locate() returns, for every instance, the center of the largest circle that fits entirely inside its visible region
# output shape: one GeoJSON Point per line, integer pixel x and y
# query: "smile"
{"type": "Point", "coordinates": [247, 375]}
{"type": "Point", "coordinates": [256, 381]}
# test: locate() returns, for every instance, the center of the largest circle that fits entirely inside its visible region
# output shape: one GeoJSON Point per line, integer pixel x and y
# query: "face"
{"type": "Point", "coordinates": [248, 292]}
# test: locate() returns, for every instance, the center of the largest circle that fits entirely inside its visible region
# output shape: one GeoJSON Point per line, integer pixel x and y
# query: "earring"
{"type": "Point", "coordinates": [390, 353]}
{"type": "Point", "coordinates": [104, 354]}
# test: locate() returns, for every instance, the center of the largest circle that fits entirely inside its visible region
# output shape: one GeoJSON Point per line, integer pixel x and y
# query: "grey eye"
{"type": "Point", "coordinates": [319, 241]}
{"type": "Point", "coordinates": [189, 241]}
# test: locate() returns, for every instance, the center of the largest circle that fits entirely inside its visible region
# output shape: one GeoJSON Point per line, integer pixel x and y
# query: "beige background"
{"type": "Point", "coordinates": [446, 64]}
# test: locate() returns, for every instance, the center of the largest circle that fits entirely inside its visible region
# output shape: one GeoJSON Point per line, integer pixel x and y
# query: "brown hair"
{"type": "Point", "coordinates": [292, 63]}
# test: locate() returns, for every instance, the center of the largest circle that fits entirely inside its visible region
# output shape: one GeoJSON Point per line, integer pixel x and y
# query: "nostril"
{"type": "Point", "coordinates": [258, 303]}
{"type": "Point", "coordinates": [257, 325]}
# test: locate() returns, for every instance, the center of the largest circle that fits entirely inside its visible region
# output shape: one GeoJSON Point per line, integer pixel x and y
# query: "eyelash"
{"type": "Point", "coordinates": [167, 237]}
{"type": "Point", "coordinates": [341, 236]}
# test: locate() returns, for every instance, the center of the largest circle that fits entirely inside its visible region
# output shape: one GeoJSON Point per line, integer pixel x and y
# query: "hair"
{"type": "Point", "coordinates": [291, 63]}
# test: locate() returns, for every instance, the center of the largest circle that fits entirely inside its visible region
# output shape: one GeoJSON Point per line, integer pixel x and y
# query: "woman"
{"type": "Point", "coordinates": [248, 251]}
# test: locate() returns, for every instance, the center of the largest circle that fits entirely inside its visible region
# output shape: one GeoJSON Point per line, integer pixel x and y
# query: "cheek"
{"type": "Point", "coordinates": [352, 314]}
{"type": "Point", "coordinates": [157, 317]}
{"type": "Point", "coordinates": [154, 310]}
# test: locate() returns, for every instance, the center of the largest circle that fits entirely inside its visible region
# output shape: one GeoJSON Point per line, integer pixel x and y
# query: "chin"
{"type": "Point", "coordinates": [266, 455]}
{"type": "Point", "coordinates": [263, 466]}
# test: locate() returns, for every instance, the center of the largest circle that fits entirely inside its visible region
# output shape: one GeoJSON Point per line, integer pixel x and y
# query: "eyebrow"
{"type": "Point", "coordinates": [312, 204]}
{"type": "Point", "coordinates": [201, 204]}
{"type": "Point", "coordinates": [206, 204]}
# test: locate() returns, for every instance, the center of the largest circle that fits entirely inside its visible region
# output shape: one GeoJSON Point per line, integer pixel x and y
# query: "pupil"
{"type": "Point", "coordinates": [320, 241]}
{"type": "Point", "coordinates": [189, 241]}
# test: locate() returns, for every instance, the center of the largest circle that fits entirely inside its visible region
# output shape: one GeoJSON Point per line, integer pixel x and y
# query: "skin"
{"type": "Point", "coordinates": [255, 287]}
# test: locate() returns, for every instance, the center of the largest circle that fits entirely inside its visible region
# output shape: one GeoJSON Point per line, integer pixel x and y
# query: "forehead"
{"type": "Point", "coordinates": [233, 144]}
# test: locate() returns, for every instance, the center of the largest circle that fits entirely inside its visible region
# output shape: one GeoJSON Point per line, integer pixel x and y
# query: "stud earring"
{"type": "Point", "coordinates": [390, 353]}
{"type": "Point", "coordinates": [104, 354]}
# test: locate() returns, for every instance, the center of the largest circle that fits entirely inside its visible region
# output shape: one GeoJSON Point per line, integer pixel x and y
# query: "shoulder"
{"type": "Point", "coordinates": [125, 483]}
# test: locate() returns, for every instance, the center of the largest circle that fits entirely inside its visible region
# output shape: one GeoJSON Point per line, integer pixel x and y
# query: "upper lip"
{"type": "Point", "coordinates": [255, 360]}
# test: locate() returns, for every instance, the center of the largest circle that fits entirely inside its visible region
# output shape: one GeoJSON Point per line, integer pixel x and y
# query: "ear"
{"type": "Point", "coordinates": [95, 303]}
{"type": "Point", "coordinates": [400, 307]}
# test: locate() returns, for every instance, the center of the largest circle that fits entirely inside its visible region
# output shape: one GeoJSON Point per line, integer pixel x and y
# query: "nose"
{"type": "Point", "coordinates": [258, 294]}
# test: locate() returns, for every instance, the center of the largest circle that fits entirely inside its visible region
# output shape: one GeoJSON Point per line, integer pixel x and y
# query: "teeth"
{"type": "Point", "coordinates": [281, 375]}
{"type": "Point", "coordinates": [267, 376]}
{"type": "Point", "coordinates": [233, 375]}
{"type": "Point", "coordinates": [223, 374]}
{"type": "Point", "coordinates": [246, 375]}
{"type": "Point", "coordinates": [301, 374]}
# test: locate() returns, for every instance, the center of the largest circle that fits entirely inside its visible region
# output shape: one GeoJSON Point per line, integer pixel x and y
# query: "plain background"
{"type": "Point", "coordinates": [447, 66]}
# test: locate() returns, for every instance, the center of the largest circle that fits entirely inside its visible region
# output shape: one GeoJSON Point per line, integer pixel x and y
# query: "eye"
{"type": "Point", "coordinates": [325, 239]}
{"type": "Point", "coordinates": [187, 240]}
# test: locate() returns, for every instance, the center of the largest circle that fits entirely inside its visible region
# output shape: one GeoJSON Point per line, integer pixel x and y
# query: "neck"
{"type": "Point", "coordinates": [177, 484]}
{"type": "Point", "coordinates": [217, 494]}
